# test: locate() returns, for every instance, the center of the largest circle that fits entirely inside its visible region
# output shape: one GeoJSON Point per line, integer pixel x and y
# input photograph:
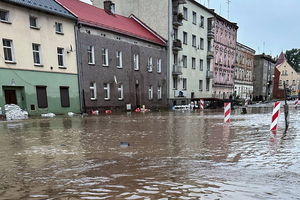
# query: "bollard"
{"type": "Point", "coordinates": [275, 116]}
{"type": "Point", "coordinates": [296, 102]}
{"type": "Point", "coordinates": [201, 104]}
{"type": "Point", "coordinates": [227, 109]}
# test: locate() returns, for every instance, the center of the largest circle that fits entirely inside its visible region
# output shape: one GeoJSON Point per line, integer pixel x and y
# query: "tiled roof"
{"type": "Point", "coordinates": [281, 59]}
{"type": "Point", "coordinates": [49, 6]}
{"type": "Point", "coordinates": [97, 17]}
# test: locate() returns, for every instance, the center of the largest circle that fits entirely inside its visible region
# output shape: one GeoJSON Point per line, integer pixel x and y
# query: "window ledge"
{"type": "Point", "coordinates": [11, 62]}
{"type": "Point", "coordinates": [61, 67]}
{"type": "Point", "coordinates": [38, 65]}
{"type": "Point", "coordinates": [118, 67]}
{"type": "Point", "coordinates": [105, 65]}
{"type": "Point", "coordinates": [121, 99]}
{"type": "Point", "coordinates": [34, 27]}
{"type": "Point", "coordinates": [59, 33]}
{"type": "Point", "coordinates": [5, 22]}
{"type": "Point", "coordinates": [92, 64]}
{"type": "Point", "coordinates": [93, 99]}
{"type": "Point", "coordinates": [136, 69]}
{"type": "Point", "coordinates": [106, 99]}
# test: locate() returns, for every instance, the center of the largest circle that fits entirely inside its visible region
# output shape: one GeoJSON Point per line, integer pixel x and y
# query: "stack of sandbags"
{"type": "Point", "coordinates": [14, 112]}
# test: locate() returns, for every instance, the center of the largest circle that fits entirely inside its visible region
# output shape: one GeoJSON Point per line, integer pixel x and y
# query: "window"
{"type": "Point", "coordinates": [64, 97]}
{"type": "Point", "coordinates": [185, 38]}
{"type": "Point", "coordinates": [91, 55]}
{"type": "Point", "coordinates": [150, 63]}
{"type": "Point", "coordinates": [104, 57]}
{"type": "Point", "coordinates": [207, 84]}
{"type": "Point", "coordinates": [185, 13]}
{"type": "Point", "coordinates": [194, 17]}
{"type": "Point", "coordinates": [175, 36]}
{"type": "Point", "coordinates": [60, 56]}
{"type": "Point", "coordinates": [41, 93]}
{"type": "Point", "coordinates": [120, 92]}
{"type": "Point", "coordinates": [184, 61]}
{"type": "Point", "coordinates": [159, 92]}
{"type": "Point", "coordinates": [193, 63]}
{"type": "Point", "coordinates": [119, 59]}
{"type": "Point", "coordinates": [202, 21]}
{"type": "Point", "coordinates": [184, 83]}
{"type": "Point", "coordinates": [174, 83]}
{"type": "Point", "coordinates": [150, 92]}
{"type": "Point", "coordinates": [93, 91]}
{"type": "Point", "coordinates": [136, 62]}
{"type": "Point", "coordinates": [194, 42]}
{"type": "Point", "coordinates": [106, 91]}
{"type": "Point", "coordinates": [201, 65]}
{"type": "Point", "coordinates": [59, 28]}
{"type": "Point", "coordinates": [33, 22]}
{"type": "Point", "coordinates": [158, 65]}
{"type": "Point", "coordinates": [201, 43]}
{"type": "Point", "coordinates": [36, 50]}
{"type": "Point", "coordinates": [8, 50]}
{"type": "Point", "coordinates": [200, 85]}
{"type": "Point", "coordinates": [4, 16]}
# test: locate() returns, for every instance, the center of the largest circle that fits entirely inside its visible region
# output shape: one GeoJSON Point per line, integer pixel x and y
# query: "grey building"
{"type": "Point", "coordinates": [121, 60]}
{"type": "Point", "coordinates": [263, 76]}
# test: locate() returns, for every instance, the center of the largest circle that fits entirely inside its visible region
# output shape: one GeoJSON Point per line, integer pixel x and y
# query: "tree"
{"type": "Point", "coordinates": [293, 58]}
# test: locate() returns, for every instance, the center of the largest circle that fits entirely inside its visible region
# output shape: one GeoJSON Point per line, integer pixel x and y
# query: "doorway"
{"type": "Point", "coordinates": [10, 97]}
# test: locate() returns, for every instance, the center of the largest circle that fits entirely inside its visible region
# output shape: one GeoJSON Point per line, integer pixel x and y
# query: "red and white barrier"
{"type": "Point", "coordinates": [246, 102]}
{"type": "Point", "coordinates": [201, 104]}
{"type": "Point", "coordinates": [275, 116]}
{"type": "Point", "coordinates": [227, 109]}
{"type": "Point", "coordinates": [296, 102]}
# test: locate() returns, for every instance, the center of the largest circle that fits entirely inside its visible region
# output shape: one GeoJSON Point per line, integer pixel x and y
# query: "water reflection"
{"type": "Point", "coordinates": [172, 155]}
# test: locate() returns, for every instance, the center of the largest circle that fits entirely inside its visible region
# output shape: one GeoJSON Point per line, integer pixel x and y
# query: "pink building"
{"type": "Point", "coordinates": [224, 57]}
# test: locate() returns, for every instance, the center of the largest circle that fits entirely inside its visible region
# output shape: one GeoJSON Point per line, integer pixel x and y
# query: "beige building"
{"type": "Point", "coordinates": [288, 76]}
{"type": "Point", "coordinates": [186, 25]}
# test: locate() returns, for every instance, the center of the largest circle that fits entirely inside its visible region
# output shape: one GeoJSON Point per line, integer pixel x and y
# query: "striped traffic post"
{"type": "Point", "coordinates": [201, 104]}
{"type": "Point", "coordinates": [227, 109]}
{"type": "Point", "coordinates": [275, 116]}
{"type": "Point", "coordinates": [296, 102]}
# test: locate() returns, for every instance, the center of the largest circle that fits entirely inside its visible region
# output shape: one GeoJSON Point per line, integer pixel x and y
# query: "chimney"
{"type": "Point", "coordinates": [109, 6]}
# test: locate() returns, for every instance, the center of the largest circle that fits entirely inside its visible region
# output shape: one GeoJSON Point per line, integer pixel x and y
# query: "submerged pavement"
{"type": "Point", "coordinates": [168, 155]}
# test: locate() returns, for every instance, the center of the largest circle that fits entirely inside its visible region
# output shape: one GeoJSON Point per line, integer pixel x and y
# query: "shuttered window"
{"type": "Point", "coordinates": [41, 93]}
{"type": "Point", "coordinates": [64, 97]}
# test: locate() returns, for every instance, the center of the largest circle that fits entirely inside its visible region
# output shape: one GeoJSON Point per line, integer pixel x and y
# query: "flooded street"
{"type": "Point", "coordinates": [171, 155]}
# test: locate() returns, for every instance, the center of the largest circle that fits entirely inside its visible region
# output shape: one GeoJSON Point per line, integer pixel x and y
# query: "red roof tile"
{"type": "Point", "coordinates": [98, 17]}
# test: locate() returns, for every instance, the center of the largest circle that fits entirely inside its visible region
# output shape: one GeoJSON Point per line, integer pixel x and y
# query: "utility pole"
{"type": "Point", "coordinates": [286, 108]}
{"type": "Point", "coordinates": [228, 4]}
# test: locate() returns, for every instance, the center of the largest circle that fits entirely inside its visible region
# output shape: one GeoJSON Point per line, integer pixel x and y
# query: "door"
{"type": "Point", "coordinates": [10, 97]}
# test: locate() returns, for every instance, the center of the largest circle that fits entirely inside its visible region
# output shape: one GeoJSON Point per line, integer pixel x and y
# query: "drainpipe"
{"type": "Point", "coordinates": [169, 78]}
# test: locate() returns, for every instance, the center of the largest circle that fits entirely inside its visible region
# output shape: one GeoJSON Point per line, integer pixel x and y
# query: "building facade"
{"type": "Point", "coordinates": [263, 76]}
{"type": "Point", "coordinates": [243, 72]}
{"type": "Point", "coordinates": [38, 66]}
{"type": "Point", "coordinates": [187, 25]}
{"type": "Point", "coordinates": [224, 57]}
{"type": "Point", "coordinates": [122, 61]}
{"type": "Point", "coordinates": [289, 77]}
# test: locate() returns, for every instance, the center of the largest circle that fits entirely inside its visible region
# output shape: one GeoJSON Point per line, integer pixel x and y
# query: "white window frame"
{"type": "Point", "coordinates": [194, 18]}
{"type": "Point", "coordinates": [201, 64]}
{"type": "Point", "coordinates": [37, 52]}
{"type": "Point", "coordinates": [36, 26]}
{"type": "Point", "coordinates": [59, 29]}
{"type": "Point", "coordinates": [158, 65]}
{"type": "Point", "coordinates": [185, 37]}
{"type": "Point", "coordinates": [150, 92]}
{"type": "Point", "coordinates": [119, 59]}
{"type": "Point", "coordinates": [120, 92]}
{"type": "Point", "coordinates": [7, 16]}
{"type": "Point", "coordinates": [200, 85]}
{"type": "Point", "coordinates": [159, 96]}
{"type": "Point", "coordinates": [202, 21]}
{"type": "Point", "coordinates": [9, 48]}
{"type": "Point", "coordinates": [91, 55]}
{"type": "Point", "coordinates": [94, 89]}
{"type": "Point", "coordinates": [106, 91]}
{"type": "Point", "coordinates": [136, 64]}
{"type": "Point", "coordinates": [193, 63]}
{"type": "Point", "coordinates": [194, 41]}
{"type": "Point", "coordinates": [201, 43]}
{"type": "Point", "coordinates": [61, 55]}
{"type": "Point", "coordinates": [150, 64]}
{"type": "Point", "coordinates": [184, 84]}
{"type": "Point", "coordinates": [104, 57]}
{"type": "Point", "coordinates": [184, 61]}
{"type": "Point", "coordinates": [185, 13]}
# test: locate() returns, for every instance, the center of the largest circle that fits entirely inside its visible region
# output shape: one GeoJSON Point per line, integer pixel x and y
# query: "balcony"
{"type": "Point", "coordinates": [177, 19]}
{"type": "Point", "coordinates": [210, 54]}
{"type": "Point", "coordinates": [177, 45]}
{"type": "Point", "coordinates": [177, 2]}
{"type": "Point", "coordinates": [209, 74]}
{"type": "Point", "coordinates": [210, 34]}
{"type": "Point", "coordinates": [177, 70]}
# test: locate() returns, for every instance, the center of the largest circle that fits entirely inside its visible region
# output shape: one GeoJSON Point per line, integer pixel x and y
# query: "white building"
{"type": "Point", "coordinates": [186, 25]}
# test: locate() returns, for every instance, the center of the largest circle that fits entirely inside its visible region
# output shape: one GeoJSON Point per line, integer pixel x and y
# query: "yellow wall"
{"type": "Point", "coordinates": [23, 36]}
{"type": "Point", "coordinates": [288, 73]}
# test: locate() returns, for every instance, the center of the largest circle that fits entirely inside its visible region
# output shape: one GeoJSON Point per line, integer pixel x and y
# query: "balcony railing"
{"type": "Point", "coordinates": [210, 54]}
{"type": "Point", "coordinates": [177, 45]}
{"type": "Point", "coordinates": [177, 2]}
{"type": "Point", "coordinates": [177, 19]}
{"type": "Point", "coordinates": [210, 34]}
{"type": "Point", "coordinates": [177, 70]}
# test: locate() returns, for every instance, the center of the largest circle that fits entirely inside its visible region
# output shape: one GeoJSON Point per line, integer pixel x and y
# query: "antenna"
{"type": "Point", "coordinates": [228, 4]}
{"type": "Point", "coordinates": [208, 1]}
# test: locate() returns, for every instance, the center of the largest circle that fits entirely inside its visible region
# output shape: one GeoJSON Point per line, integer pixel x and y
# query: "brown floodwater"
{"type": "Point", "coordinates": [171, 155]}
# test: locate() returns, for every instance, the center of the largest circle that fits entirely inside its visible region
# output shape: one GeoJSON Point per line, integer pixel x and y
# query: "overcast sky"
{"type": "Point", "coordinates": [269, 25]}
